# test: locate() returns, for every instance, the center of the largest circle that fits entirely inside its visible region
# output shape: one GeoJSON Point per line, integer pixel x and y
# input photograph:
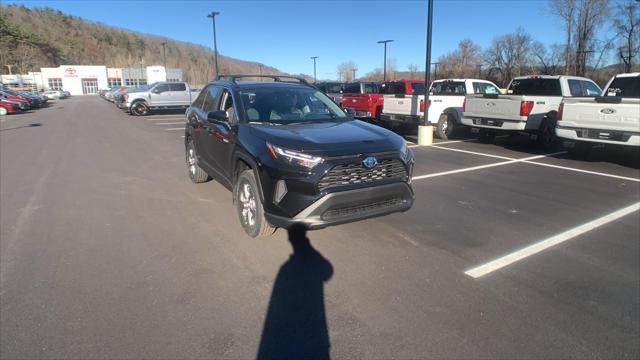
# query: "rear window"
{"type": "Point", "coordinates": [370, 88]}
{"type": "Point", "coordinates": [393, 88]}
{"type": "Point", "coordinates": [352, 88]}
{"type": "Point", "coordinates": [448, 88]}
{"type": "Point", "coordinates": [628, 87]}
{"type": "Point", "coordinates": [539, 86]}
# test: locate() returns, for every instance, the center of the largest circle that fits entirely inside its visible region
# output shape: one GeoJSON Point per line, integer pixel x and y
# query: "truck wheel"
{"type": "Point", "coordinates": [3, 111]}
{"type": "Point", "coordinates": [445, 127]}
{"type": "Point", "coordinates": [196, 174]}
{"type": "Point", "coordinates": [250, 210]}
{"type": "Point", "coordinates": [580, 150]}
{"type": "Point", "coordinates": [547, 134]}
{"type": "Point", "coordinates": [486, 136]}
{"type": "Point", "coordinates": [139, 109]}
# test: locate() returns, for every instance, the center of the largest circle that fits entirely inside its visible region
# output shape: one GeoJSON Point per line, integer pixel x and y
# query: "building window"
{"type": "Point", "coordinates": [173, 80]}
{"type": "Point", "coordinates": [135, 82]}
{"type": "Point", "coordinates": [114, 82]}
{"type": "Point", "coordinates": [55, 84]}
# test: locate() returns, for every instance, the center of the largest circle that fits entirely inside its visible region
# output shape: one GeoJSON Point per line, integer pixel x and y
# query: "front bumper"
{"type": "Point", "coordinates": [496, 124]}
{"type": "Point", "coordinates": [349, 206]}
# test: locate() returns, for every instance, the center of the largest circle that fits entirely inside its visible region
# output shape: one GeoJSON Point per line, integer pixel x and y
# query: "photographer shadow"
{"type": "Point", "coordinates": [296, 326]}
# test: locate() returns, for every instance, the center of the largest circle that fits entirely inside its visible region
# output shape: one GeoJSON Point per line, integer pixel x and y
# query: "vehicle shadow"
{"type": "Point", "coordinates": [24, 126]}
{"type": "Point", "coordinates": [295, 326]}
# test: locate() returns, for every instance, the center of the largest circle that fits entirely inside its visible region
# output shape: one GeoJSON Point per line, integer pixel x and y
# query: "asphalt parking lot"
{"type": "Point", "coordinates": [109, 251]}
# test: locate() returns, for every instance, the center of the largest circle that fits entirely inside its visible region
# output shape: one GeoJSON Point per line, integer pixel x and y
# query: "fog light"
{"type": "Point", "coordinates": [281, 191]}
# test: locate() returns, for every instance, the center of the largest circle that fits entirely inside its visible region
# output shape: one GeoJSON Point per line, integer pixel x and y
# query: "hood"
{"type": "Point", "coordinates": [330, 138]}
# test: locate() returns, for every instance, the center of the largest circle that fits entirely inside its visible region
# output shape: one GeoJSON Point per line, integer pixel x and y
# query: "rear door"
{"type": "Point", "coordinates": [160, 95]}
{"type": "Point", "coordinates": [221, 136]}
{"type": "Point", "coordinates": [179, 94]}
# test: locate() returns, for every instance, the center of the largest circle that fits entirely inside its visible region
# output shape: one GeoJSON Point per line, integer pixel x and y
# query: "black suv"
{"type": "Point", "coordinates": [291, 156]}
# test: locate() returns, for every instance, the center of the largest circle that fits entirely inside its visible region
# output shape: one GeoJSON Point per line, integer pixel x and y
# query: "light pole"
{"type": "Point", "coordinates": [384, 73]}
{"type": "Point", "coordinates": [354, 74]}
{"type": "Point", "coordinates": [314, 68]}
{"type": "Point", "coordinates": [215, 43]}
{"type": "Point", "coordinates": [164, 55]}
{"type": "Point", "coordinates": [425, 132]}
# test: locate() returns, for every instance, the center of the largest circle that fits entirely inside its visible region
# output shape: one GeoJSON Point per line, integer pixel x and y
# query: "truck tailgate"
{"type": "Point", "coordinates": [590, 114]}
{"type": "Point", "coordinates": [356, 101]}
{"type": "Point", "coordinates": [505, 107]}
{"type": "Point", "coordinates": [408, 105]}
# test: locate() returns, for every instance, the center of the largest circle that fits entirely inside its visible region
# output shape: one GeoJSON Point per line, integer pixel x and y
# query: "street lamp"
{"type": "Point", "coordinates": [314, 67]}
{"type": "Point", "coordinates": [215, 43]}
{"type": "Point", "coordinates": [164, 55]}
{"type": "Point", "coordinates": [384, 74]}
{"type": "Point", "coordinates": [425, 132]}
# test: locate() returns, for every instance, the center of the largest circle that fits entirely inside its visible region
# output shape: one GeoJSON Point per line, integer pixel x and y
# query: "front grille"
{"type": "Point", "coordinates": [362, 210]}
{"type": "Point", "coordinates": [356, 173]}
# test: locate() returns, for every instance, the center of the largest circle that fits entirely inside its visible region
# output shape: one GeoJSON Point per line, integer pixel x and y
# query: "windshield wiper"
{"type": "Point", "coordinates": [264, 122]}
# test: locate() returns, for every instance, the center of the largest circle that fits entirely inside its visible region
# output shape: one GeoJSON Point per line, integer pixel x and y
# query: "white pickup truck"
{"type": "Point", "coordinates": [445, 104]}
{"type": "Point", "coordinates": [530, 106]}
{"type": "Point", "coordinates": [159, 95]}
{"type": "Point", "coordinates": [613, 118]}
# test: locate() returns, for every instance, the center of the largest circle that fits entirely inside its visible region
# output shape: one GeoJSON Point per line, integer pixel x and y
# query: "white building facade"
{"type": "Point", "coordinates": [89, 79]}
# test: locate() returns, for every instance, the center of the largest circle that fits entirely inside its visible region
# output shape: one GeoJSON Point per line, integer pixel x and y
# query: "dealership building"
{"type": "Point", "coordinates": [89, 79]}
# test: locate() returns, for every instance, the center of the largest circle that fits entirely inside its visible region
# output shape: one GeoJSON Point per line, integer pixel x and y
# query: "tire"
{"type": "Point", "coordinates": [547, 134]}
{"type": "Point", "coordinates": [249, 206]}
{"type": "Point", "coordinates": [139, 108]}
{"type": "Point", "coordinates": [3, 111]}
{"type": "Point", "coordinates": [196, 174]}
{"type": "Point", "coordinates": [580, 150]}
{"type": "Point", "coordinates": [486, 136]}
{"type": "Point", "coordinates": [445, 127]}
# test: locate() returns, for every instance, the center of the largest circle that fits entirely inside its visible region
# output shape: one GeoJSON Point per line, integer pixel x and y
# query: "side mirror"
{"type": "Point", "coordinates": [350, 112]}
{"type": "Point", "coordinates": [217, 116]}
{"type": "Point", "coordinates": [155, 91]}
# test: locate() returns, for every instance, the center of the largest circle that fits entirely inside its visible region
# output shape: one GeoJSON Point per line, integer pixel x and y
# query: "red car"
{"type": "Point", "coordinates": [23, 101]}
{"type": "Point", "coordinates": [8, 107]}
{"type": "Point", "coordinates": [366, 98]}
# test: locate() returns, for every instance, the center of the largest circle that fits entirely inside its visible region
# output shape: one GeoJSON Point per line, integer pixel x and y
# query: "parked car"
{"type": "Point", "coordinates": [8, 107]}
{"type": "Point", "coordinates": [611, 119]}
{"type": "Point", "coordinates": [530, 106]}
{"type": "Point", "coordinates": [367, 103]}
{"type": "Point", "coordinates": [292, 157]}
{"type": "Point", "coordinates": [160, 95]}
{"type": "Point", "coordinates": [35, 99]}
{"type": "Point", "coordinates": [333, 90]}
{"type": "Point", "coordinates": [21, 101]}
{"type": "Point", "coordinates": [445, 105]}
{"type": "Point", "coordinates": [54, 94]}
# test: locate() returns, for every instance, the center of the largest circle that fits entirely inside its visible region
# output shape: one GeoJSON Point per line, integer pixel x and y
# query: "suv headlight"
{"type": "Point", "coordinates": [293, 157]}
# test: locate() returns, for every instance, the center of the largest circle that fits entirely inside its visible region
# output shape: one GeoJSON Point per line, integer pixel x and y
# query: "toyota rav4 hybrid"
{"type": "Point", "coordinates": [292, 157]}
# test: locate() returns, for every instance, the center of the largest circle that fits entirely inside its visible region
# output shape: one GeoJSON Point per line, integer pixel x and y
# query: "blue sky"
{"type": "Point", "coordinates": [285, 34]}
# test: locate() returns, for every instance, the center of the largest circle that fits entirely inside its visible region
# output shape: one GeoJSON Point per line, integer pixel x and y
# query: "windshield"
{"type": "Point", "coordinates": [285, 106]}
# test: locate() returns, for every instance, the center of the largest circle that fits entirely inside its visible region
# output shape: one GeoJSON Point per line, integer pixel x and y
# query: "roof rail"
{"type": "Point", "coordinates": [277, 78]}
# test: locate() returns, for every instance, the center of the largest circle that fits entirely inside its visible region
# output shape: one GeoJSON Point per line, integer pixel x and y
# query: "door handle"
{"type": "Point", "coordinates": [220, 136]}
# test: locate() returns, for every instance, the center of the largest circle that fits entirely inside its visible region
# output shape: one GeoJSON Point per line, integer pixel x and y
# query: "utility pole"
{"type": "Point", "coordinates": [425, 132]}
{"type": "Point", "coordinates": [164, 55]}
{"type": "Point", "coordinates": [354, 74]}
{"type": "Point", "coordinates": [215, 42]}
{"type": "Point", "coordinates": [314, 68]}
{"type": "Point", "coordinates": [384, 73]}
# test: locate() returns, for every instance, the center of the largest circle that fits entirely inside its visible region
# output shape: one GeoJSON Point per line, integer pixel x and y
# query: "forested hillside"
{"type": "Point", "coordinates": [44, 37]}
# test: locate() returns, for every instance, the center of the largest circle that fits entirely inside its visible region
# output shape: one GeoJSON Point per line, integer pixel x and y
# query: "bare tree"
{"type": "Point", "coordinates": [565, 10]}
{"type": "Point", "coordinates": [509, 55]}
{"type": "Point", "coordinates": [591, 15]}
{"type": "Point", "coordinates": [392, 68]}
{"type": "Point", "coordinates": [345, 70]}
{"type": "Point", "coordinates": [627, 26]}
{"type": "Point", "coordinates": [548, 59]}
{"type": "Point", "coordinates": [462, 62]}
{"type": "Point", "coordinates": [413, 71]}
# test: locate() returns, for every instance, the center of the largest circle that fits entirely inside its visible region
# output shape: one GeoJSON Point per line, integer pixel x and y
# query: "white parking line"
{"type": "Point", "coordinates": [584, 171]}
{"type": "Point", "coordinates": [474, 153]}
{"type": "Point", "coordinates": [170, 129]}
{"type": "Point", "coordinates": [549, 242]}
{"type": "Point", "coordinates": [473, 168]}
{"type": "Point", "coordinates": [171, 123]}
{"type": "Point", "coordinates": [156, 119]}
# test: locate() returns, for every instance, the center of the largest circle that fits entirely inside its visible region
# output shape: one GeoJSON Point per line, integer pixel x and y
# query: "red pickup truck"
{"type": "Point", "coordinates": [366, 98]}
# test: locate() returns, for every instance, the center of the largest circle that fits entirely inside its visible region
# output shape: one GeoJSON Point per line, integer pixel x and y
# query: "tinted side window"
{"type": "Point", "coordinates": [352, 88]}
{"type": "Point", "coordinates": [575, 88]}
{"type": "Point", "coordinates": [392, 88]}
{"type": "Point", "coordinates": [210, 99]}
{"type": "Point", "coordinates": [177, 87]}
{"type": "Point", "coordinates": [590, 89]}
{"type": "Point", "coordinates": [370, 88]}
{"type": "Point", "coordinates": [448, 88]}
{"type": "Point", "coordinates": [161, 88]}
{"type": "Point", "coordinates": [484, 88]}
{"type": "Point", "coordinates": [417, 88]}
{"type": "Point", "coordinates": [198, 102]}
